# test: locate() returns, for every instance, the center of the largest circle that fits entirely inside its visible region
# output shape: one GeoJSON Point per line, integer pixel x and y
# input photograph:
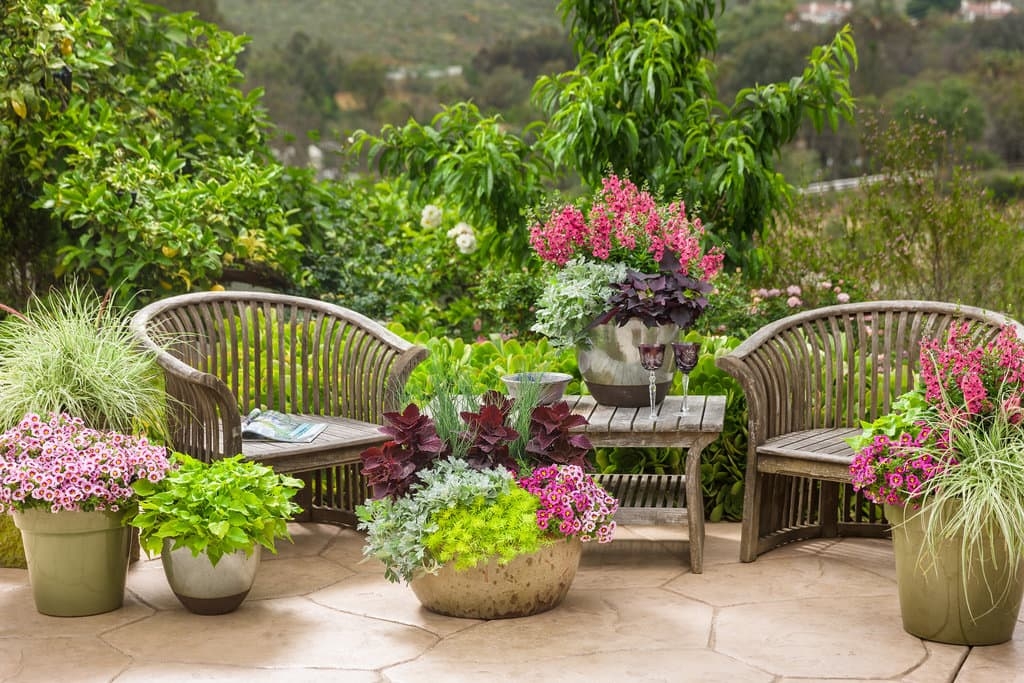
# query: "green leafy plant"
{"type": "Point", "coordinates": [218, 508]}
{"type": "Point", "coordinates": [398, 528]}
{"type": "Point", "coordinates": [573, 298]}
{"type": "Point", "coordinates": [74, 352]}
{"type": "Point", "coordinates": [474, 532]}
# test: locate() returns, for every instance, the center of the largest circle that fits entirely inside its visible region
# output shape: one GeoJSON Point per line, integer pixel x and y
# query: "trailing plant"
{"type": "Point", "coordinates": [215, 508]}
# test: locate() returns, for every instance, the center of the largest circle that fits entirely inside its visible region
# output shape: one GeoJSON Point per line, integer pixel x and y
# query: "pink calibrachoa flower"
{"type": "Point", "coordinates": [63, 465]}
{"type": "Point", "coordinates": [894, 471]}
{"type": "Point", "coordinates": [572, 503]}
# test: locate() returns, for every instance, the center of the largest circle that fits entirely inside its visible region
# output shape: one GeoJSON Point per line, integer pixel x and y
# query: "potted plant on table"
{"type": "Point", "coordinates": [483, 511]}
{"type": "Point", "coordinates": [948, 464]}
{"type": "Point", "coordinates": [73, 352]}
{"type": "Point", "coordinates": [630, 271]}
{"type": "Point", "coordinates": [69, 489]}
{"type": "Point", "coordinates": [209, 521]}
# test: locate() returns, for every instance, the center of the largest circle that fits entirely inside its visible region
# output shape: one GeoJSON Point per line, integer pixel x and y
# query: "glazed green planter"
{"type": "Point", "coordinates": [77, 561]}
{"type": "Point", "coordinates": [528, 584]}
{"type": "Point", "coordinates": [937, 603]}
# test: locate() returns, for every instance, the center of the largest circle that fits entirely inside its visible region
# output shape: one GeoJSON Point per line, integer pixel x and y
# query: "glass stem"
{"type": "Point", "coordinates": [652, 390]}
{"type": "Point", "coordinates": [686, 392]}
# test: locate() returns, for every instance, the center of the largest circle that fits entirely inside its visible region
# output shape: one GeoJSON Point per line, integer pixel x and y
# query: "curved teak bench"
{"type": "Point", "coordinates": [225, 353]}
{"type": "Point", "coordinates": [809, 380]}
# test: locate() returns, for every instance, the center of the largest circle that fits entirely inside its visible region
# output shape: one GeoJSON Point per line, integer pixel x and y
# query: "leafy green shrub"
{"type": "Point", "coordinates": [739, 309]}
{"type": "Point", "coordinates": [927, 231]}
{"type": "Point", "coordinates": [129, 152]}
{"type": "Point", "coordinates": [218, 508]}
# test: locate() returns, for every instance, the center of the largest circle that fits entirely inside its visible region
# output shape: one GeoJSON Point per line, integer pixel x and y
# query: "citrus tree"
{"type": "Point", "coordinates": [128, 152]}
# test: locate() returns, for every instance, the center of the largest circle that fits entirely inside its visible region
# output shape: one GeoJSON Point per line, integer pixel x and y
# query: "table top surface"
{"type": "Point", "coordinates": [706, 415]}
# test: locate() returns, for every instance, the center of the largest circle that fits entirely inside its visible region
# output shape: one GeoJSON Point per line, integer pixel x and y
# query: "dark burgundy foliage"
{"type": "Point", "coordinates": [489, 438]}
{"type": "Point", "coordinates": [390, 469]}
{"type": "Point", "coordinates": [550, 439]}
{"type": "Point", "coordinates": [669, 296]}
{"type": "Point", "coordinates": [414, 444]}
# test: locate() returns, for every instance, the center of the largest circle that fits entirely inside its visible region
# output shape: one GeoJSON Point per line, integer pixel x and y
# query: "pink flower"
{"type": "Point", "coordinates": [69, 466]}
{"type": "Point", "coordinates": [843, 298]}
{"type": "Point", "coordinates": [794, 301]}
{"type": "Point", "coordinates": [625, 223]}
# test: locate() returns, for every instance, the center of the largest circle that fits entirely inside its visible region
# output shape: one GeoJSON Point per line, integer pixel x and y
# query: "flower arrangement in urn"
{"type": "Point", "coordinates": [948, 464]}
{"type": "Point", "coordinates": [627, 258]}
{"type": "Point", "coordinates": [629, 271]}
{"type": "Point", "coordinates": [481, 488]}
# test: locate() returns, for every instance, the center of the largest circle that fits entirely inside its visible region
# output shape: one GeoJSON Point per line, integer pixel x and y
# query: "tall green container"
{"type": "Point", "coordinates": [77, 561]}
{"type": "Point", "coordinates": [938, 601]}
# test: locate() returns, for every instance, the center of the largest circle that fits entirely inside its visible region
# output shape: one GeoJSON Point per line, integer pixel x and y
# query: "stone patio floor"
{"type": "Point", "coordinates": [814, 611]}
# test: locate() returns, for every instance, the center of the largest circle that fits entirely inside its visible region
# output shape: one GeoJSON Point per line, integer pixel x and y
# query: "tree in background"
{"type": "Point", "coordinates": [641, 101]}
{"type": "Point", "coordinates": [127, 152]}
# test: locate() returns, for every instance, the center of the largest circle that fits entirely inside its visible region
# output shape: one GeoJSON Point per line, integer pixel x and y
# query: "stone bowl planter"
{"type": "Point", "coordinates": [528, 584]}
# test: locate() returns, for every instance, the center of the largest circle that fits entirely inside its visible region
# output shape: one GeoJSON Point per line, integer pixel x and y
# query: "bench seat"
{"type": "Point", "coordinates": [810, 379]}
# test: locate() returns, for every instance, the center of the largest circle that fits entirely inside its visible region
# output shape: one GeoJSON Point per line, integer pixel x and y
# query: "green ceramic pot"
{"type": "Point", "coordinates": [77, 561]}
{"type": "Point", "coordinates": [937, 602]}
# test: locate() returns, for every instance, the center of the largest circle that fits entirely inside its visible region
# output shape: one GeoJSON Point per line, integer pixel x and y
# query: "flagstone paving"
{"type": "Point", "coordinates": [809, 612]}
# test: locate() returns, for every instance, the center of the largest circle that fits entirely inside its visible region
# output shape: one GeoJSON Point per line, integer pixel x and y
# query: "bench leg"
{"type": "Point", "coordinates": [304, 497]}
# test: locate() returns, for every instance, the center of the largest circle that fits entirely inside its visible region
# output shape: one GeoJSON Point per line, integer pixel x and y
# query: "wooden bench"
{"type": "Point", "coordinates": [809, 380]}
{"type": "Point", "coordinates": [225, 353]}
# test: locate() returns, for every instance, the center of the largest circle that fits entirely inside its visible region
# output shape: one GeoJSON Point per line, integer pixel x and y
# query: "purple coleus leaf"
{"type": "Point", "coordinates": [489, 438]}
{"type": "Point", "coordinates": [413, 430]}
{"type": "Point", "coordinates": [551, 440]}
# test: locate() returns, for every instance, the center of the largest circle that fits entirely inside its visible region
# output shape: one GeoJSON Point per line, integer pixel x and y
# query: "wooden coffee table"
{"type": "Point", "coordinates": [651, 498]}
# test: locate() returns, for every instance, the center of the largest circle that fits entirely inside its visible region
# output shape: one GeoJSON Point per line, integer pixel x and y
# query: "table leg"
{"type": "Point", "coordinates": [695, 503]}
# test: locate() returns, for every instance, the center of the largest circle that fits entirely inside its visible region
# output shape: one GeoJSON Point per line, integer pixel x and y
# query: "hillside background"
{"type": "Point", "coordinates": [332, 66]}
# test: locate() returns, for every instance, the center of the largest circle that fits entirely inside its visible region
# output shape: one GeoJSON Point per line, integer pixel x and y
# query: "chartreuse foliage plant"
{"type": "Point", "coordinates": [478, 530]}
{"type": "Point", "coordinates": [398, 529]}
{"type": "Point", "coordinates": [218, 508]}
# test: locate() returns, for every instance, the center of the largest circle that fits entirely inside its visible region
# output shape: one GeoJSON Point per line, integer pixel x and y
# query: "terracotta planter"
{"type": "Point", "coordinates": [77, 561]}
{"type": "Point", "coordinates": [529, 584]}
{"type": "Point", "coordinates": [937, 603]}
{"type": "Point", "coordinates": [610, 363]}
{"type": "Point", "coordinates": [207, 589]}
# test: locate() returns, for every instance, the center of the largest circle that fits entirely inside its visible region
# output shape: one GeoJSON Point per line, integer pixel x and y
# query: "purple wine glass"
{"type": "Point", "coordinates": [652, 356]}
{"type": "Point", "coordinates": [687, 354]}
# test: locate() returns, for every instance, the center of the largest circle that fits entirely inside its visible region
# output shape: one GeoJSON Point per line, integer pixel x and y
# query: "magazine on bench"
{"type": "Point", "coordinates": [270, 425]}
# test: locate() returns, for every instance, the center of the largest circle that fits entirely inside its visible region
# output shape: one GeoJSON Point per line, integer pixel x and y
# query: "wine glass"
{"type": "Point", "coordinates": [687, 354]}
{"type": "Point", "coordinates": [651, 357]}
